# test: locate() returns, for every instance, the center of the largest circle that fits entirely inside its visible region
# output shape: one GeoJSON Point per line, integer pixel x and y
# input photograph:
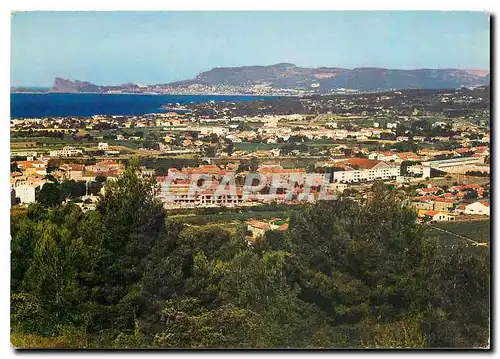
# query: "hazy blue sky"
{"type": "Point", "coordinates": [158, 47]}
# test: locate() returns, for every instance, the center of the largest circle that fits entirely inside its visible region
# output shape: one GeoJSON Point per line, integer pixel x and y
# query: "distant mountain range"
{"type": "Point", "coordinates": [286, 78]}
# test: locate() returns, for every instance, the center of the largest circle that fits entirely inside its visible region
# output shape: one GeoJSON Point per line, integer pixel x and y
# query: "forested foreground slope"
{"type": "Point", "coordinates": [345, 275]}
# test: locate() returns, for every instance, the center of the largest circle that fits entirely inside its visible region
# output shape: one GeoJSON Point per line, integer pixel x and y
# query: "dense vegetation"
{"type": "Point", "coordinates": [346, 274]}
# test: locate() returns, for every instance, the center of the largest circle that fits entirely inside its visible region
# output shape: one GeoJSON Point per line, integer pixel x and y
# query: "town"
{"type": "Point", "coordinates": [442, 162]}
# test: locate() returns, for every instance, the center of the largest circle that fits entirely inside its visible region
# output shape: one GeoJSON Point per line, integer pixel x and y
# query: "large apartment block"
{"type": "Point", "coordinates": [365, 170]}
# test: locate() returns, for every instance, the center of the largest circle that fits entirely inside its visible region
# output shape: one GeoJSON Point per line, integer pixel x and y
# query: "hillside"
{"type": "Point", "coordinates": [286, 75]}
{"type": "Point", "coordinates": [287, 78]}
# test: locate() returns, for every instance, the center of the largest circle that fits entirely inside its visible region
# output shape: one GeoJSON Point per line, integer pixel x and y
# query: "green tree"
{"type": "Point", "coordinates": [50, 195]}
{"type": "Point", "coordinates": [14, 167]}
{"type": "Point", "coordinates": [134, 220]}
{"type": "Point", "coordinates": [254, 164]}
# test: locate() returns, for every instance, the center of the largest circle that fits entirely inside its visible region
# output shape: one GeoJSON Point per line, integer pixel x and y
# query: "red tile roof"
{"type": "Point", "coordinates": [258, 224]}
{"type": "Point", "coordinates": [481, 148]}
{"type": "Point", "coordinates": [283, 227]}
{"type": "Point", "coordinates": [447, 200]}
{"type": "Point", "coordinates": [363, 163]}
{"type": "Point", "coordinates": [430, 190]}
{"type": "Point", "coordinates": [431, 213]}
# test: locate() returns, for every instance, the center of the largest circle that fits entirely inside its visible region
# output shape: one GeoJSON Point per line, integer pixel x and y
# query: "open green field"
{"type": "Point", "coordinates": [476, 230]}
{"type": "Point", "coordinates": [285, 162]}
{"type": "Point", "coordinates": [57, 143]}
{"type": "Point", "coordinates": [236, 216]}
{"type": "Point", "coordinates": [43, 140]}
{"type": "Point", "coordinates": [232, 217]}
{"type": "Point", "coordinates": [248, 146]}
{"type": "Point", "coordinates": [133, 144]}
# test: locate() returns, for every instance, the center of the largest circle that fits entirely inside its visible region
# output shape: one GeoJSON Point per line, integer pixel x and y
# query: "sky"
{"type": "Point", "coordinates": [110, 48]}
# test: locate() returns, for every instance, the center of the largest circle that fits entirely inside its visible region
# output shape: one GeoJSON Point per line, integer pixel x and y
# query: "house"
{"type": "Point", "coordinates": [442, 138]}
{"type": "Point", "coordinates": [106, 165]}
{"type": "Point", "coordinates": [462, 151]}
{"type": "Point", "coordinates": [443, 204]}
{"type": "Point", "coordinates": [468, 187]}
{"type": "Point", "coordinates": [73, 171]}
{"type": "Point", "coordinates": [434, 203]}
{"type": "Point", "coordinates": [424, 202]}
{"type": "Point", "coordinates": [103, 145]}
{"type": "Point", "coordinates": [258, 228]}
{"type": "Point", "coordinates": [408, 156]}
{"type": "Point", "coordinates": [437, 216]}
{"type": "Point", "coordinates": [460, 209]}
{"type": "Point", "coordinates": [383, 156]}
{"type": "Point", "coordinates": [483, 151]}
{"type": "Point", "coordinates": [33, 167]}
{"type": "Point", "coordinates": [428, 190]}
{"type": "Point", "coordinates": [479, 207]}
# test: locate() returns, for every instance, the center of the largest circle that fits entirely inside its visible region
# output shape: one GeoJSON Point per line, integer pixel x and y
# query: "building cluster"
{"type": "Point", "coordinates": [447, 204]}
{"type": "Point", "coordinates": [264, 135]}
{"type": "Point", "coordinates": [28, 179]}
{"type": "Point", "coordinates": [257, 228]}
{"type": "Point", "coordinates": [213, 186]}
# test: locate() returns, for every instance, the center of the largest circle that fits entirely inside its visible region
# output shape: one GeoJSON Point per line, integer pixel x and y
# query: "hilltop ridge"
{"type": "Point", "coordinates": [288, 78]}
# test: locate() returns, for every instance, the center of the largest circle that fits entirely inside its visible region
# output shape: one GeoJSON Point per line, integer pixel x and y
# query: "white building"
{"type": "Point", "coordinates": [103, 145]}
{"type": "Point", "coordinates": [67, 151]}
{"type": "Point", "coordinates": [479, 207]}
{"type": "Point", "coordinates": [257, 228]}
{"type": "Point", "coordinates": [453, 165]}
{"type": "Point", "coordinates": [26, 193]}
{"type": "Point", "coordinates": [275, 152]}
{"type": "Point", "coordinates": [439, 216]}
{"type": "Point", "coordinates": [208, 130]}
{"type": "Point", "coordinates": [337, 187]}
{"type": "Point", "coordinates": [361, 169]}
{"type": "Point", "coordinates": [417, 170]}
{"type": "Point", "coordinates": [24, 154]}
{"type": "Point", "coordinates": [384, 156]}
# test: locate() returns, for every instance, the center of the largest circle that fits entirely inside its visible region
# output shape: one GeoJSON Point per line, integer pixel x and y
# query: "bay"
{"type": "Point", "coordinates": [31, 105]}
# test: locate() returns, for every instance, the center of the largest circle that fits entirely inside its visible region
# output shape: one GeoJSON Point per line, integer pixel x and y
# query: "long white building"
{"type": "Point", "coordinates": [365, 170]}
{"type": "Point", "coordinates": [67, 151]}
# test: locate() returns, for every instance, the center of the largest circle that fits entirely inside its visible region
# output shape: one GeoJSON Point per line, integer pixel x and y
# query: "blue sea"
{"type": "Point", "coordinates": [82, 105]}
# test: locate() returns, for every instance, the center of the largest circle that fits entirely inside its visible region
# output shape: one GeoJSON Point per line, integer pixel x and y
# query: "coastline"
{"type": "Point", "coordinates": [152, 94]}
